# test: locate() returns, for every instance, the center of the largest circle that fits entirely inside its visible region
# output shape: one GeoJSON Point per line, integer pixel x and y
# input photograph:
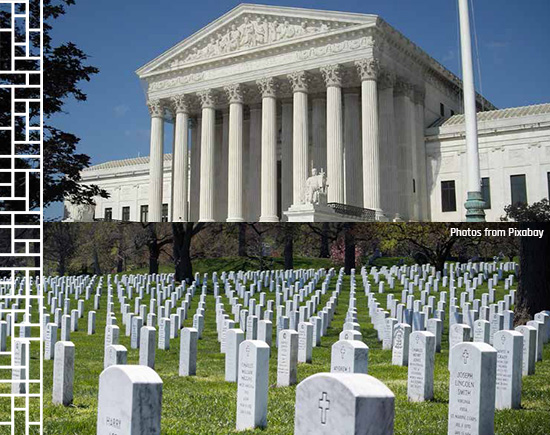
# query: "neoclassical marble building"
{"type": "Point", "coordinates": [262, 95]}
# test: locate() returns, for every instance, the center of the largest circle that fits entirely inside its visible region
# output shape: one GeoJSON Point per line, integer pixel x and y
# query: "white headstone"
{"type": "Point", "coordinates": [349, 356]}
{"type": "Point", "coordinates": [252, 384]}
{"type": "Point", "coordinates": [130, 401]}
{"type": "Point", "coordinates": [287, 358]}
{"type": "Point", "coordinates": [188, 351]}
{"type": "Point", "coordinates": [233, 339]}
{"type": "Point", "coordinates": [420, 379]}
{"type": "Point", "coordinates": [472, 389]}
{"type": "Point", "coordinates": [509, 346]}
{"type": "Point", "coordinates": [63, 373]}
{"type": "Point", "coordinates": [147, 346]}
{"type": "Point", "coordinates": [343, 404]}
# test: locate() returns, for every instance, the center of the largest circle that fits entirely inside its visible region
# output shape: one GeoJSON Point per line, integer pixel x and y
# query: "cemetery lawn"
{"type": "Point", "coordinates": [206, 404]}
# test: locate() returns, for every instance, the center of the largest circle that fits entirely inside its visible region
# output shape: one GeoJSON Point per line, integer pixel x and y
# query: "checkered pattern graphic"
{"type": "Point", "coordinates": [21, 137]}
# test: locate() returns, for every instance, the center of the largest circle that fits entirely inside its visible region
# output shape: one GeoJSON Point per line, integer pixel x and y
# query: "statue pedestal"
{"type": "Point", "coordinates": [315, 213]}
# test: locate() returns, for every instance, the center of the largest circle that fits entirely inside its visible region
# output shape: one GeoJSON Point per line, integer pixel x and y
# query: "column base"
{"type": "Point", "coordinates": [269, 218]}
{"type": "Point", "coordinates": [475, 207]}
{"type": "Point", "coordinates": [235, 220]}
{"type": "Point", "coordinates": [207, 220]}
{"type": "Point", "coordinates": [380, 216]}
{"type": "Point", "coordinates": [397, 218]}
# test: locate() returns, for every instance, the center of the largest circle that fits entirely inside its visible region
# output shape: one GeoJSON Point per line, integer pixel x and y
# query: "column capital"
{"type": "Point", "coordinates": [235, 93]}
{"type": "Point", "coordinates": [386, 79]}
{"type": "Point", "coordinates": [368, 69]}
{"type": "Point", "coordinates": [419, 94]}
{"type": "Point", "coordinates": [403, 88]}
{"type": "Point", "coordinates": [299, 81]}
{"type": "Point", "coordinates": [332, 74]}
{"type": "Point", "coordinates": [180, 103]}
{"type": "Point", "coordinates": [156, 108]}
{"type": "Point", "coordinates": [268, 87]}
{"type": "Point", "coordinates": [207, 99]}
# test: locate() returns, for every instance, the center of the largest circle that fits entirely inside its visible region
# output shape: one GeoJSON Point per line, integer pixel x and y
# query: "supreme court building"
{"type": "Point", "coordinates": [263, 95]}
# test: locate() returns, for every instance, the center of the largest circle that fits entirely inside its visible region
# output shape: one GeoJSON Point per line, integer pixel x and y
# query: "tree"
{"type": "Point", "coordinates": [59, 244]}
{"type": "Point", "coordinates": [328, 233]}
{"type": "Point", "coordinates": [434, 241]}
{"type": "Point", "coordinates": [242, 239]}
{"type": "Point", "coordinates": [65, 68]}
{"type": "Point", "coordinates": [155, 237]}
{"type": "Point", "coordinates": [521, 212]}
{"type": "Point", "coordinates": [349, 247]}
{"type": "Point", "coordinates": [533, 293]}
{"type": "Point", "coordinates": [182, 234]}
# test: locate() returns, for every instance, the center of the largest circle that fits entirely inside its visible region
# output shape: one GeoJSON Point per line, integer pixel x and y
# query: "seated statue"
{"type": "Point", "coordinates": [80, 212]}
{"type": "Point", "coordinates": [316, 188]}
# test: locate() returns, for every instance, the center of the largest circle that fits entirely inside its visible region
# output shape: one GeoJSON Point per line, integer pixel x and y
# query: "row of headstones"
{"type": "Point", "coordinates": [482, 378]}
{"type": "Point", "coordinates": [117, 354]}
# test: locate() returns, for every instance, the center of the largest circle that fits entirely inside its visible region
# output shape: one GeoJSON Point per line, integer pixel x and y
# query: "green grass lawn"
{"type": "Point", "coordinates": [206, 404]}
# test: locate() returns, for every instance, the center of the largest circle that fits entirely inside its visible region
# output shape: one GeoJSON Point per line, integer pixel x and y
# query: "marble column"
{"type": "Point", "coordinates": [255, 161]}
{"type": "Point", "coordinates": [156, 160]}
{"type": "Point", "coordinates": [194, 191]}
{"type": "Point", "coordinates": [404, 111]}
{"type": "Point", "coordinates": [286, 155]}
{"type": "Point", "coordinates": [300, 136]}
{"type": "Point", "coordinates": [368, 72]}
{"type": "Point", "coordinates": [335, 138]}
{"type": "Point", "coordinates": [388, 148]}
{"type": "Point", "coordinates": [222, 165]}
{"type": "Point", "coordinates": [208, 133]}
{"type": "Point", "coordinates": [352, 148]}
{"type": "Point", "coordinates": [421, 176]}
{"type": "Point", "coordinates": [235, 171]}
{"type": "Point", "coordinates": [180, 159]}
{"type": "Point", "coordinates": [268, 202]}
{"type": "Point", "coordinates": [319, 133]}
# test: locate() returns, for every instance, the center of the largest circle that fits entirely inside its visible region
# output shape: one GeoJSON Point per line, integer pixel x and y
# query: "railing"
{"type": "Point", "coordinates": [364, 214]}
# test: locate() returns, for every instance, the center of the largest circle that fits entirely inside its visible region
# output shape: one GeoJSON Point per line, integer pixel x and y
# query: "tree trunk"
{"type": "Point", "coordinates": [97, 267]}
{"type": "Point", "coordinates": [349, 248]}
{"type": "Point", "coordinates": [533, 293]}
{"type": "Point", "coordinates": [289, 247]}
{"type": "Point", "coordinates": [120, 265]}
{"type": "Point", "coordinates": [325, 251]}
{"type": "Point", "coordinates": [61, 266]}
{"type": "Point", "coordinates": [154, 253]}
{"type": "Point", "coordinates": [182, 235]}
{"type": "Point", "coordinates": [242, 239]}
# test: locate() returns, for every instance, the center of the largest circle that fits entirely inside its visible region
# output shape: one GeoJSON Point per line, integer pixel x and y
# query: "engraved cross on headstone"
{"type": "Point", "coordinates": [324, 406]}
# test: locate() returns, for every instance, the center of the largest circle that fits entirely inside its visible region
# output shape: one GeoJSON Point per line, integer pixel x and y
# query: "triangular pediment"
{"type": "Point", "coordinates": [249, 28]}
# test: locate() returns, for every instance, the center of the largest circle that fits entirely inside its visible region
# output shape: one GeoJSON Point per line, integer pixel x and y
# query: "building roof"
{"type": "Point", "coordinates": [125, 162]}
{"type": "Point", "coordinates": [493, 115]}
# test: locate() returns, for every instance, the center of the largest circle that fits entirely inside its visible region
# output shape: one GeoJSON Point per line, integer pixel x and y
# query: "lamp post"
{"type": "Point", "coordinates": [474, 204]}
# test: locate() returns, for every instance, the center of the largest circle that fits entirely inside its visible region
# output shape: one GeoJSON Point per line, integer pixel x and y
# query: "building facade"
{"type": "Point", "coordinates": [263, 95]}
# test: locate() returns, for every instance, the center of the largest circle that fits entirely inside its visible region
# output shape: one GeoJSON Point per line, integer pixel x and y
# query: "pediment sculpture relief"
{"type": "Point", "coordinates": [252, 32]}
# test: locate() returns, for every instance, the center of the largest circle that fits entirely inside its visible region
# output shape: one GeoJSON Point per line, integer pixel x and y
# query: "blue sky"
{"type": "Point", "coordinates": [122, 35]}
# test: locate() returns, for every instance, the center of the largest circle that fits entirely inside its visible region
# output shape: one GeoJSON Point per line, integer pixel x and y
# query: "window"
{"type": "Point", "coordinates": [414, 185]}
{"type": "Point", "coordinates": [125, 214]}
{"type": "Point", "coordinates": [108, 214]}
{"type": "Point", "coordinates": [519, 189]}
{"type": "Point", "coordinates": [448, 196]}
{"type": "Point", "coordinates": [452, 112]}
{"type": "Point", "coordinates": [143, 212]}
{"type": "Point", "coordinates": [164, 213]}
{"type": "Point", "coordinates": [486, 191]}
{"type": "Point", "coordinates": [442, 110]}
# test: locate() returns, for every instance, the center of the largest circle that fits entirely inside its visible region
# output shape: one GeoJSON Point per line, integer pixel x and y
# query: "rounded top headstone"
{"type": "Point", "coordinates": [136, 374]}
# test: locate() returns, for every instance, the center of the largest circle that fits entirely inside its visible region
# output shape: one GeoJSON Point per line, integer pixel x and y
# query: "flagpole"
{"type": "Point", "coordinates": [474, 204]}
